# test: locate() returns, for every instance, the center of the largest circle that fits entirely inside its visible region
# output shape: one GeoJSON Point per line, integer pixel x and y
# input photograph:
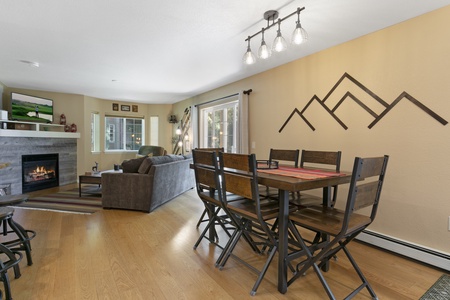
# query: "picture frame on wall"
{"type": "Point", "coordinates": [134, 108]}
{"type": "Point", "coordinates": [115, 106]}
{"type": "Point", "coordinates": [125, 108]}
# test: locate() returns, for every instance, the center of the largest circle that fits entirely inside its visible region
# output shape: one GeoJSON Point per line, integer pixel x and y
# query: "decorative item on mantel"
{"type": "Point", "coordinates": [62, 119]}
{"type": "Point", "coordinates": [67, 128]}
{"type": "Point", "coordinates": [73, 128]}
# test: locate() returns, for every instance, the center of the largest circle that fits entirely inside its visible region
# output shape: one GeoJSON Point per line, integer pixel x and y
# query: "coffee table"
{"type": "Point", "coordinates": [90, 179]}
{"type": "Point", "coordinates": [93, 179]}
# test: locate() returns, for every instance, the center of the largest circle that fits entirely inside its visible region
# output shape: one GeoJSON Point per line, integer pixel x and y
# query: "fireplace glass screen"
{"type": "Point", "coordinates": [39, 172]}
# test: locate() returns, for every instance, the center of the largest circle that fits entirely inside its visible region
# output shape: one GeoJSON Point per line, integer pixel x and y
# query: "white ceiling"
{"type": "Point", "coordinates": [165, 51]}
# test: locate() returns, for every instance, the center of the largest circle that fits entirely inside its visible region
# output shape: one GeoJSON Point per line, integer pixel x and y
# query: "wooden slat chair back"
{"type": "Point", "coordinates": [206, 170]}
{"type": "Point", "coordinates": [217, 150]}
{"type": "Point", "coordinates": [341, 225]}
{"type": "Point", "coordinates": [284, 155]}
{"type": "Point", "coordinates": [319, 159]}
{"type": "Point", "coordinates": [239, 177]}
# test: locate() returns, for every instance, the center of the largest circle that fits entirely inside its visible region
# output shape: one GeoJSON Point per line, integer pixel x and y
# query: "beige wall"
{"type": "Point", "coordinates": [78, 109]}
{"type": "Point", "coordinates": [106, 160]}
{"type": "Point", "coordinates": [411, 56]}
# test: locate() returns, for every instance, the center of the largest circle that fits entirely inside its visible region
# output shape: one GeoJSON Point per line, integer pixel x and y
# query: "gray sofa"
{"type": "Point", "coordinates": [147, 182]}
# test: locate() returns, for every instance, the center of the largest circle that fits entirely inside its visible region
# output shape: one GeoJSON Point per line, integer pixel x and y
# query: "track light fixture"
{"type": "Point", "coordinates": [299, 36]}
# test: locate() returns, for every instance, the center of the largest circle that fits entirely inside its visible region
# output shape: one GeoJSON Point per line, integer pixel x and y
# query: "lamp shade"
{"type": "Point", "coordinates": [249, 58]}
{"type": "Point", "coordinates": [279, 44]}
{"type": "Point", "coordinates": [299, 36]}
{"type": "Point", "coordinates": [264, 51]}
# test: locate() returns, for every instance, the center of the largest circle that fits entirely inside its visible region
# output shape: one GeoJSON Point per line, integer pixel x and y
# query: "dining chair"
{"type": "Point", "coordinates": [285, 156]}
{"type": "Point", "coordinates": [239, 177]}
{"type": "Point", "coordinates": [319, 159]}
{"type": "Point", "coordinates": [208, 188]}
{"type": "Point", "coordinates": [203, 216]}
{"type": "Point", "coordinates": [342, 226]}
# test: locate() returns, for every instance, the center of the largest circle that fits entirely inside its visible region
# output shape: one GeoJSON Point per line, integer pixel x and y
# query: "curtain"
{"type": "Point", "coordinates": [194, 126]}
{"type": "Point", "coordinates": [243, 123]}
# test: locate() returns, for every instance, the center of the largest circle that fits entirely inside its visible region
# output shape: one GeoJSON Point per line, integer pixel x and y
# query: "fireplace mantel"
{"type": "Point", "coordinates": [31, 129]}
{"type": "Point", "coordinates": [40, 134]}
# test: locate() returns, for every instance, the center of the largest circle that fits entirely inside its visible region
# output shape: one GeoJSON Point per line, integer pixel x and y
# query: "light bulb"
{"type": "Point", "coordinates": [299, 35]}
{"type": "Point", "coordinates": [279, 44]}
{"type": "Point", "coordinates": [178, 131]}
{"type": "Point", "coordinates": [264, 51]}
{"type": "Point", "coordinates": [249, 57]}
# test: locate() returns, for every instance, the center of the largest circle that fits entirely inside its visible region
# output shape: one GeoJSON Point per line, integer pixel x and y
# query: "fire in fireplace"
{"type": "Point", "coordinates": [39, 171]}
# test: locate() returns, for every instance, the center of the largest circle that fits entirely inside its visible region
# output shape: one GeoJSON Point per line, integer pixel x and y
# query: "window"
{"type": "Point", "coordinates": [124, 133]}
{"type": "Point", "coordinates": [95, 132]}
{"type": "Point", "coordinates": [219, 126]}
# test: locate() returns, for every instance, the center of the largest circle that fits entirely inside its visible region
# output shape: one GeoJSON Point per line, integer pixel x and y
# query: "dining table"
{"type": "Point", "coordinates": [290, 179]}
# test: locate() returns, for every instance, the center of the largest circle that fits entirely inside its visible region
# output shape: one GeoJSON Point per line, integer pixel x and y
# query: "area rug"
{"type": "Point", "coordinates": [439, 291]}
{"type": "Point", "coordinates": [68, 201]}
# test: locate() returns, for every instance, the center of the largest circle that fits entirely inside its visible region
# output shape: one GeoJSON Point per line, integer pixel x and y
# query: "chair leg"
{"type": "Point", "coordinates": [13, 262]}
{"type": "Point", "coordinates": [264, 270]}
{"type": "Point", "coordinates": [225, 249]}
{"type": "Point", "coordinates": [201, 218]}
{"type": "Point", "coordinates": [361, 276]}
{"type": "Point", "coordinates": [6, 285]}
{"type": "Point", "coordinates": [230, 248]}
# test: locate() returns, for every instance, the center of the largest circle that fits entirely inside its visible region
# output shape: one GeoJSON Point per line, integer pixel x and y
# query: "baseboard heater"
{"type": "Point", "coordinates": [422, 254]}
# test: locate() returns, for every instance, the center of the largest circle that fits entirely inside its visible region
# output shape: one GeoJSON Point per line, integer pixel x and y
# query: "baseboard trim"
{"type": "Point", "coordinates": [420, 253]}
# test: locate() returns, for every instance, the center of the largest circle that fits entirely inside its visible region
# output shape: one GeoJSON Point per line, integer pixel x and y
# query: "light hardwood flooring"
{"type": "Point", "coordinates": [118, 254]}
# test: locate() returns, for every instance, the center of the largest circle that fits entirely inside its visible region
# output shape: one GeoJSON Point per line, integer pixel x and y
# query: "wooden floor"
{"type": "Point", "coordinates": [117, 254]}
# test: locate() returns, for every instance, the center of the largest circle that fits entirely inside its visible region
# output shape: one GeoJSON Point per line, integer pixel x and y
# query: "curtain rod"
{"type": "Point", "coordinates": [218, 99]}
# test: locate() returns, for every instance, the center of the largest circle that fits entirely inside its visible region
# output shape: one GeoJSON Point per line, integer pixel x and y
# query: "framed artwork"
{"type": "Point", "coordinates": [134, 108]}
{"type": "Point", "coordinates": [125, 108]}
{"type": "Point", "coordinates": [115, 106]}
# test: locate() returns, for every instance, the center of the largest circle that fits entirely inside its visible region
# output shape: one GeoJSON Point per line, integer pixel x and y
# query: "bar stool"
{"type": "Point", "coordinates": [13, 256]}
{"type": "Point", "coordinates": [22, 242]}
{"type": "Point", "coordinates": [24, 236]}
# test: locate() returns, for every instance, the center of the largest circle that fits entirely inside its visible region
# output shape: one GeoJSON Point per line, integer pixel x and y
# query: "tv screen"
{"type": "Point", "coordinates": [31, 109]}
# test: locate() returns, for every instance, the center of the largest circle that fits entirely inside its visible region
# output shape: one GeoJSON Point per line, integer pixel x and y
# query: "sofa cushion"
{"type": "Point", "coordinates": [132, 165]}
{"type": "Point", "coordinates": [145, 166]}
{"type": "Point", "coordinates": [157, 160]}
{"type": "Point", "coordinates": [176, 157]}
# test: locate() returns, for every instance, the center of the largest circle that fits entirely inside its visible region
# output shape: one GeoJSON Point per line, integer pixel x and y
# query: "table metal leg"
{"type": "Point", "coordinates": [283, 240]}
{"type": "Point", "coordinates": [326, 237]}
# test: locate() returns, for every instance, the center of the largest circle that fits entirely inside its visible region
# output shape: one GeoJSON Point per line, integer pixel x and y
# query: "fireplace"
{"type": "Point", "coordinates": [39, 171]}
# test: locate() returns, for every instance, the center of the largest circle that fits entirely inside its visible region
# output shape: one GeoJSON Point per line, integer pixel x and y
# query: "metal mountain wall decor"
{"type": "Point", "coordinates": [349, 95]}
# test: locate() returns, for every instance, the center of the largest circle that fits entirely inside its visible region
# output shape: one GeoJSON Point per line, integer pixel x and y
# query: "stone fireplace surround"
{"type": "Point", "coordinates": [12, 149]}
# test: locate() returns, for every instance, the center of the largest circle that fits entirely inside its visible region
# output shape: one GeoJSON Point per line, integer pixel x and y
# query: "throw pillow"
{"type": "Point", "coordinates": [145, 166]}
{"type": "Point", "coordinates": [132, 165]}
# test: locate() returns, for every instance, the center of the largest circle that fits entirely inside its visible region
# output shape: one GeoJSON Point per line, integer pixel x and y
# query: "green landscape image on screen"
{"type": "Point", "coordinates": [36, 111]}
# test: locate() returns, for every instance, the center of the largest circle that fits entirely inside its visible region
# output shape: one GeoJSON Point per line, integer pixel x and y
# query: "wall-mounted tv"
{"type": "Point", "coordinates": [31, 109]}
